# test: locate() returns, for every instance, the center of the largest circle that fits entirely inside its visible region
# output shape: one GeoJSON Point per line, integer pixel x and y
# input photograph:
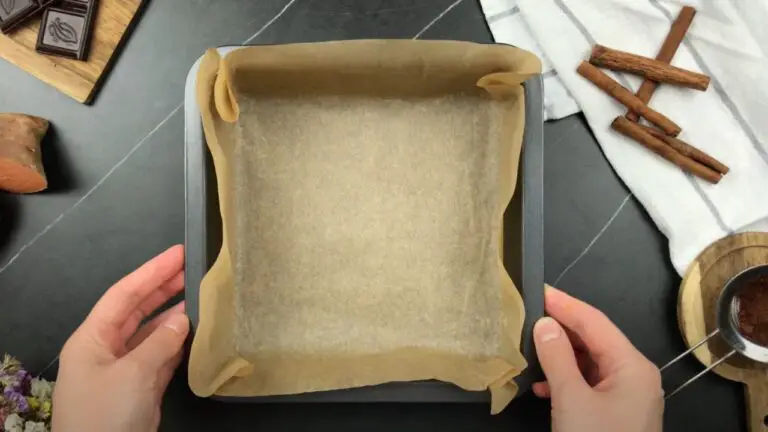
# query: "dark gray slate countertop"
{"type": "Point", "coordinates": [117, 199]}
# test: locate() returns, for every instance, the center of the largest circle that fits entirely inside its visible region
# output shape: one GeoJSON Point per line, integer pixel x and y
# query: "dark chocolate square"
{"type": "Point", "coordinates": [65, 32]}
{"type": "Point", "coordinates": [10, 9]}
{"type": "Point", "coordinates": [14, 12]}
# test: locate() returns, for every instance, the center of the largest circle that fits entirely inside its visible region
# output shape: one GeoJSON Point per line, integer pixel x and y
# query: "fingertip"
{"type": "Point", "coordinates": [163, 345]}
{"type": "Point", "coordinates": [179, 308]}
{"type": "Point", "coordinates": [177, 248]}
{"type": "Point", "coordinates": [556, 355]}
{"type": "Point", "coordinates": [553, 296]}
{"type": "Point", "coordinates": [590, 328]}
{"type": "Point", "coordinates": [173, 254]}
{"type": "Point", "coordinates": [179, 323]}
{"type": "Point", "coordinates": [175, 251]}
{"type": "Point", "coordinates": [546, 329]}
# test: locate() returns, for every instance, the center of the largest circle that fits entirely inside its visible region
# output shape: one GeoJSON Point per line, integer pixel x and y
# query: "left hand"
{"type": "Point", "coordinates": [112, 372]}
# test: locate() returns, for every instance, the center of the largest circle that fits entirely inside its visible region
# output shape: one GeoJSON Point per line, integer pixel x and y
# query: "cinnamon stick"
{"type": "Point", "coordinates": [627, 98]}
{"type": "Point", "coordinates": [652, 69]}
{"type": "Point", "coordinates": [636, 132]}
{"type": "Point", "coordinates": [688, 150]}
{"type": "Point", "coordinates": [666, 53]}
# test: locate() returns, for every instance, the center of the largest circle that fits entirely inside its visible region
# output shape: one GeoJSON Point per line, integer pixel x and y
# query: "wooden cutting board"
{"type": "Point", "coordinates": [78, 79]}
{"type": "Point", "coordinates": [699, 292]}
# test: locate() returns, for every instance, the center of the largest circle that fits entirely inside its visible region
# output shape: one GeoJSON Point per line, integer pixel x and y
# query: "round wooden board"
{"type": "Point", "coordinates": [699, 291]}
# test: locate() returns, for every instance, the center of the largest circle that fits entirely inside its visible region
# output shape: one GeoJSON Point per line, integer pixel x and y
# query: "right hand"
{"type": "Point", "coordinates": [596, 379]}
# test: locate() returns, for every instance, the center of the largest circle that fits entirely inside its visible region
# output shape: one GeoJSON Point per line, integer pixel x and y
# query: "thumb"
{"type": "Point", "coordinates": [162, 345]}
{"type": "Point", "coordinates": [556, 356]}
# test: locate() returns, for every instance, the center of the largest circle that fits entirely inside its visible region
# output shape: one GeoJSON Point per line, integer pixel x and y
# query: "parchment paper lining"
{"type": "Point", "coordinates": [362, 186]}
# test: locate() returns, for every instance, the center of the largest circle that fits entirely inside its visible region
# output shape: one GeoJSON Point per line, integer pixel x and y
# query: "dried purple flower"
{"type": "Point", "coordinates": [22, 381]}
{"type": "Point", "coordinates": [25, 402]}
{"type": "Point", "coordinates": [16, 400]}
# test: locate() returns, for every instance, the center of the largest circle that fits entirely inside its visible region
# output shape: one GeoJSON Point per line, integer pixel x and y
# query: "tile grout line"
{"type": "Point", "coordinates": [594, 240]}
{"type": "Point", "coordinates": [120, 162]}
{"type": "Point", "coordinates": [437, 18]}
{"type": "Point", "coordinates": [126, 157]}
{"type": "Point", "coordinates": [565, 134]}
{"type": "Point", "coordinates": [50, 365]}
{"type": "Point", "coordinates": [90, 191]}
{"type": "Point", "coordinates": [269, 23]}
{"type": "Point", "coordinates": [492, 19]}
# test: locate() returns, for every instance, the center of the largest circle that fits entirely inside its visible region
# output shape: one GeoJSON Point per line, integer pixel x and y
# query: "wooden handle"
{"type": "Point", "coordinates": [756, 394]}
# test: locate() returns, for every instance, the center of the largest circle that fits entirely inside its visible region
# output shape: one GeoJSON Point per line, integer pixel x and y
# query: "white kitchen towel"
{"type": "Point", "coordinates": [508, 27]}
{"type": "Point", "coordinates": [727, 121]}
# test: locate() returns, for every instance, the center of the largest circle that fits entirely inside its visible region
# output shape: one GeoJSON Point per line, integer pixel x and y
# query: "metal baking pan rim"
{"type": "Point", "coordinates": [531, 286]}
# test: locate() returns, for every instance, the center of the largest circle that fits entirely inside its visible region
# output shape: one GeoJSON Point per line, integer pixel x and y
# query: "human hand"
{"type": "Point", "coordinates": [597, 380]}
{"type": "Point", "coordinates": [113, 374]}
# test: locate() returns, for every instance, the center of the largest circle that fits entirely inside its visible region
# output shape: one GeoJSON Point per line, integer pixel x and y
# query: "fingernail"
{"type": "Point", "coordinates": [547, 329]}
{"type": "Point", "coordinates": [178, 323]}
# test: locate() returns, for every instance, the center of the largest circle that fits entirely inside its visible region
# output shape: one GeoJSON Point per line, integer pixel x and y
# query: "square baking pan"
{"type": "Point", "coordinates": [523, 250]}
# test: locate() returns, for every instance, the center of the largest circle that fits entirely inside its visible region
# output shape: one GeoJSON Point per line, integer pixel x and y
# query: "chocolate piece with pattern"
{"type": "Point", "coordinates": [14, 13]}
{"type": "Point", "coordinates": [66, 31]}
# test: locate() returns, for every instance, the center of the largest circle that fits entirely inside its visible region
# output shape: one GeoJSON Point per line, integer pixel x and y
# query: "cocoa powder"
{"type": "Point", "coordinates": [753, 310]}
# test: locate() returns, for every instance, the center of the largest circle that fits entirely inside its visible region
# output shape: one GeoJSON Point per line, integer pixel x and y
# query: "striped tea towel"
{"type": "Point", "coordinates": [728, 121]}
{"type": "Point", "coordinates": [507, 26]}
